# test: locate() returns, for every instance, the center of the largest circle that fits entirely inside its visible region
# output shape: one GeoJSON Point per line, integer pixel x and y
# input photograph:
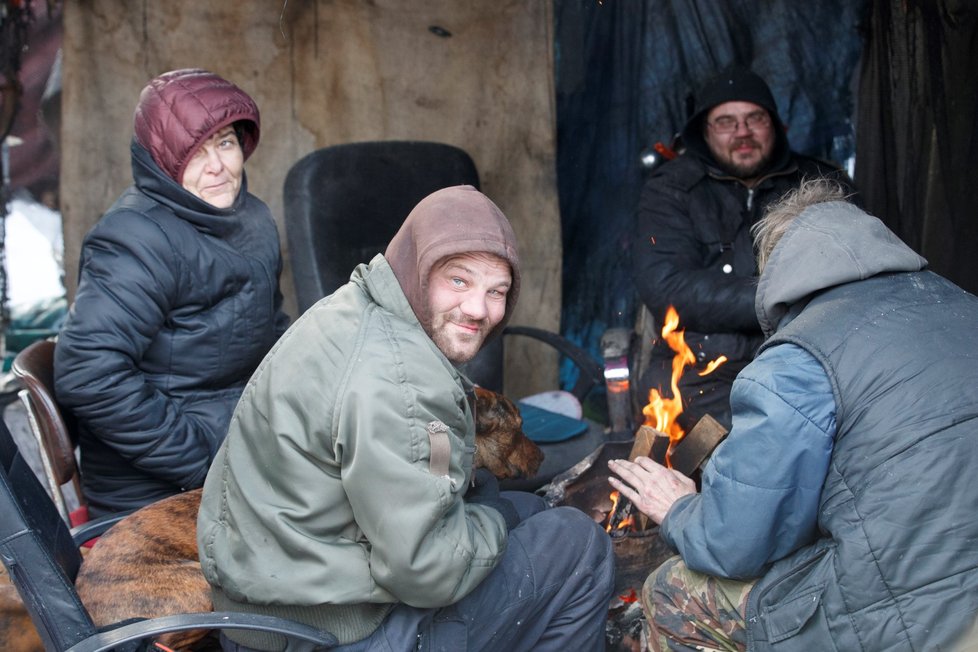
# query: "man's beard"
{"type": "Point", "coordinates": [745, 170]}
{"type": "Point", "coordinates": [459, 348]}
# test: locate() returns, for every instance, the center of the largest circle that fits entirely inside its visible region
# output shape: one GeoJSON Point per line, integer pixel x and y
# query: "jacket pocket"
{"type": "Point", "coordinates": [786, 619]}
{"type": "Point", "coordinates": [790, 602]}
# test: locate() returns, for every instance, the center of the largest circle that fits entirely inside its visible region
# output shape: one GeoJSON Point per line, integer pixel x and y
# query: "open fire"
{"type": "Point", "coordinates": [638, 549]}
{"type": "Point", "coordinates": [661, 415]}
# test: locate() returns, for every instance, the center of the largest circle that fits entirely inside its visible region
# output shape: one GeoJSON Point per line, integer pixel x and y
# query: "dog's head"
{"type": "Point", "coordinates": [500, 443]}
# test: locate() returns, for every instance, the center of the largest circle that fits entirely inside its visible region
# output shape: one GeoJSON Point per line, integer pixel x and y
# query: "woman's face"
{"type": "Point", "coordinates": [215, 169]}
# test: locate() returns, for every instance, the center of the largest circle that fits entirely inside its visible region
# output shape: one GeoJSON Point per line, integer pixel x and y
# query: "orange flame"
{"type": "Point", "coordinates": [625, 522]}
{"type": "Point", "coordinates": [713, 364]}
{"type": "Point", "coordinates": [661, 413]}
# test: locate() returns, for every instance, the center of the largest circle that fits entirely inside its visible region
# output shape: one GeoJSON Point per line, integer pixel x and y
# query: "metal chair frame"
{"type": "Point", "coordinates": [42, 559]}
{"type": "Point", "coordinates": [34, 367]}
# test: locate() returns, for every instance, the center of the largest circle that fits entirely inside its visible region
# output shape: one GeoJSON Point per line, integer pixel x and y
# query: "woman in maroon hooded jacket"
{"type": "Point", "coordinates": [177, 299]}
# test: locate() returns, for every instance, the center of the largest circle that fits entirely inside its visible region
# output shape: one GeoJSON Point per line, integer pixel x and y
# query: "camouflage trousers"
{"type": "Point", "coordinates": [686, 610]}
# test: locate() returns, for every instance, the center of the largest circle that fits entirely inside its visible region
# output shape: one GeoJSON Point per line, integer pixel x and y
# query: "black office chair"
{"type": "Point", "coordinates": [344, 203]}
{"type": "Point", "coordinates": [42, 559]}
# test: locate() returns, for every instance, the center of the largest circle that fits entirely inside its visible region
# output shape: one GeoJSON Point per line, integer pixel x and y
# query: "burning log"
{"type": "Point", "coordinates": [661, 436]}
{"type": "Point", "coordinates": [650, 443]}
{"type": "Point", "coordinates": [621, 516]}
{"type": "Point", "coordinates": [638, 549]}
{"type": "Point", "coordinates": [696, 447]}
{"type": "Point", "coordinates": [686, 457]}
{"type": "Point", "coordinates": [688, 454]}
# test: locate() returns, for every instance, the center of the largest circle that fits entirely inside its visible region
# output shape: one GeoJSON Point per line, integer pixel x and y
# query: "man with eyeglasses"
{"type": "Point", "coordinates": [692, 247]}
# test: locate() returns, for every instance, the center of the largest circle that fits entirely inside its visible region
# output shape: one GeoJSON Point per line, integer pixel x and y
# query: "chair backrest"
{"type": "Point", "coordinates": [344, 203]}
{"type": "Point", "coordinates": [41, 557]}
{"type": "Point", "coordinates": [52, 427]}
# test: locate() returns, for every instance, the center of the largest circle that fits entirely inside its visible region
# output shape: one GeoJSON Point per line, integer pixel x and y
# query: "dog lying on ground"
{"type": "Point", "coordinates": [147, 564]}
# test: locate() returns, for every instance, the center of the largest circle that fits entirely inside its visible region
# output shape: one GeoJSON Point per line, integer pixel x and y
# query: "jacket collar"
{"type": "Point", "coordinates": [152, 181]}
{"type": "Point", "coordinates": [829, 244]}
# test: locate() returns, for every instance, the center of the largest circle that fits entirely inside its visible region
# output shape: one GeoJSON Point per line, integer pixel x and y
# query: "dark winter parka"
{"type": "Point", "coordinates": [177, 303]}
{"type": "Point", "coordinates": [692, 247]}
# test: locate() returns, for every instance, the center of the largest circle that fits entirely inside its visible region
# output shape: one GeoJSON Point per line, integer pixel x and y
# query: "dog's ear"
{"type": "Point", "coordinates": [484, 398]}
{"type": "Point", "coordinates": [501, 445]}
{"type": "Point", "coordinates": [493, 410]}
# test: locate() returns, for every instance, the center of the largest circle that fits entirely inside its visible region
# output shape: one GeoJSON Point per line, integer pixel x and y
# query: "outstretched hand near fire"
{"type": "Point", "coordinates": [651, 487]}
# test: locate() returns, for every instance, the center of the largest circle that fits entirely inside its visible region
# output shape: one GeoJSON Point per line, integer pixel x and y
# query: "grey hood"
{"type": "Point", "coordinates": [450, 221]}
{"type": "Point", "coordinates": [827, 245]}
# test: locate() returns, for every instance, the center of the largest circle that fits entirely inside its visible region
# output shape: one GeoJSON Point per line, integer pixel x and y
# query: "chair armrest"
{"type": "Point", "coordinates": [591, 371]}
{"type": "Point", "coordinates": [309, 638]}
{"type": "Point", "coordinates": [96, 527]}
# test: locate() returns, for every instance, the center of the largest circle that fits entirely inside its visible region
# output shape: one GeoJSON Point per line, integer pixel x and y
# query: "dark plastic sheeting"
{"type": "Point", "coordinates": [625, 74]}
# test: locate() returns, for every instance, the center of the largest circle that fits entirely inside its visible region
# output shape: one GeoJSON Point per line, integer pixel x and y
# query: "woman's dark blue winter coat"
{"type": "Point", "coordinates": [177, 303]}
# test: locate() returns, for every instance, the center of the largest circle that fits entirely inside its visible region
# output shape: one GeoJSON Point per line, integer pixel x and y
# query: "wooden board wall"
{"type": "Point", "coordinates": [328, 72]}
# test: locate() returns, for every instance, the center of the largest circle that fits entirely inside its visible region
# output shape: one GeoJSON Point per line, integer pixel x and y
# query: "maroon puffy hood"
{"type": "Point", "coordinates": [451, 221]}
{"type": "Point", "coordinates": [181, 109]}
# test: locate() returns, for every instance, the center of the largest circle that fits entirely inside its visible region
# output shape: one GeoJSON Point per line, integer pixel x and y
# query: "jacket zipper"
{"type": "Point", "coordinates": [750, 189]}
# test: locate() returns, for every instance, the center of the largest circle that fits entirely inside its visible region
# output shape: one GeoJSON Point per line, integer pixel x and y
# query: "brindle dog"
{"type": "Point", "coordinates": [500, 444]}
{"type": "Point", "coordinates": [147, 564]}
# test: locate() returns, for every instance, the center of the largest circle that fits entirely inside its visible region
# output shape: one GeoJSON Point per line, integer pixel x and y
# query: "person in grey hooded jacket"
{"type": "Point", "coordinates": [839, 512]}
{"type": "Point", "coordinates": [344, 496]}
{"type": "Point", "coordinates": [177, 301]}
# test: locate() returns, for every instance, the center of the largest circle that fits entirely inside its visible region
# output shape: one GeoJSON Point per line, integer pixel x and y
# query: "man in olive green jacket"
{"type": "Point", "coordinates": [344, 496]}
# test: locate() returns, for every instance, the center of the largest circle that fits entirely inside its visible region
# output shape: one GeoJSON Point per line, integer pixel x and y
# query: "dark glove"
{"type": "Point", "coordinates": [485, 491]}
{"type": "Point", "coordinates": [484, 484]}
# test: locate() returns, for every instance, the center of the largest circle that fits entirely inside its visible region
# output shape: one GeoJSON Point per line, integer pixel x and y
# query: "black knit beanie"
{"type": "Point", "coordinates": [735, 84]}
